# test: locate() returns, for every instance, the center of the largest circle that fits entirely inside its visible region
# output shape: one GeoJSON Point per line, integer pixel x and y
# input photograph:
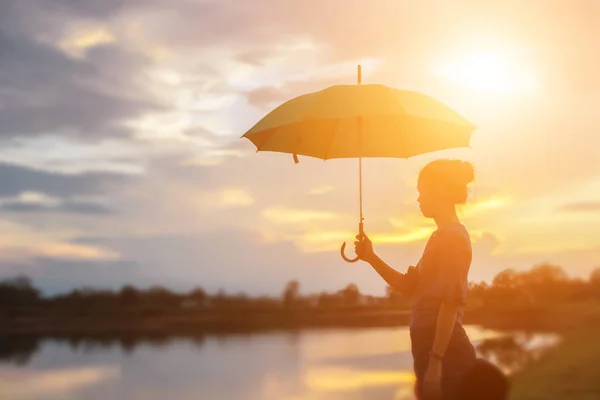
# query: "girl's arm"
{"type": "Point", "coordinates": [395, 279]}
{"type": "Point", "coordinates": [444, 328]}
{"type": "Point", "coordinates": [406, 283]}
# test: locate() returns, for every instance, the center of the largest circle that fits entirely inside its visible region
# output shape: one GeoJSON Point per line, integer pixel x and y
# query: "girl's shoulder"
{"type": "Point", "coordinates": [455, 234]}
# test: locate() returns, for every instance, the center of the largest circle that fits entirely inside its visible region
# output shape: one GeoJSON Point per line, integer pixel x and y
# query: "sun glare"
{"type": "Point", "coordinates": [490, 71]}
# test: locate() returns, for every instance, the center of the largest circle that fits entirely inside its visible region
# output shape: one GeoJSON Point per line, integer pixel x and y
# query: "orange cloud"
{"type": "Point", "coordinates": [84, 37]}
{"type": "Point", "coordinates": [18, 242]}
{"type": "Point", "coordinates": [482, 206]}
{"type": "Point", "coordinates": [583, 206]}
{"type": "Point", "coordinates": [234, 197]}
{"type": "Point", "coordinates": [312, 242]}
{"type": "Point", "coordinates": [284, 215]}
{"type": "Point", "coordinates": [331, 240]}
{"type": "Point", "coordinates": [319, 190]}
{"type": "Point", "coordinates": [226, 197]}
{"type": "Point", "coordinates": [73, 251]}
{"type": "Point", "coordinates": [413, 235]}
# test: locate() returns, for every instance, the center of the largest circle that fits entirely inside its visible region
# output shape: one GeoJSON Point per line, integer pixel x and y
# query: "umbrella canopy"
{"type": "Point", "coordinates": [348, 121]}
{"type": "Point", "coordinates": [356, 121]}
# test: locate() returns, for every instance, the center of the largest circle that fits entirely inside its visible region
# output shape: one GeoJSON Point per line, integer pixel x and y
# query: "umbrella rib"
{"type": "Point", "coordinates": [335, 125]}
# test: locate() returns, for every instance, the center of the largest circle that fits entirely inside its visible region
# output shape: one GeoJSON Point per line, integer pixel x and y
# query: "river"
{"type": "Point", "coordinates": [347, 364]}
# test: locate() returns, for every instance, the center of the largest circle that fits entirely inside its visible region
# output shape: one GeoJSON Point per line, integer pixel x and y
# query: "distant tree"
{"type": "Point", "coordinates": [507, 279]}
{"type": "Point", "coordinates": [595, 277]}
{"type": "Point", "coordinates": [371, 300]}
{"type": "Point", "coordinates": [543, 274]}
{"type": "Point", "coordinates": [579, 290]}
{"type": "Point", "coordinates": [239, 299]}
{"type": "Point", "coordinates": [595, 282]}
{"type": "Point", "coordinates": [330, 299]}
{"type": "Point", "coordinates": [219, 299]}
{"type": "Point", "coordinates": [17, 292]}
{"type": "Point", "coordinates": [266, 302]}
{"type": "Point", "coordinates": [546, 282]}
{"type": "Point", "coordinates": [198, 295]}
{"type": "Point", "coordinates": [163, 297]}
{"type": "Point", "coordinates": [129, 296]}
{"type": "Point", "coordinates": [291, 293]}
{"type": "Point", "coordinates": [394, 296]}
{"type": "Point", "coordinates": [350, 294]}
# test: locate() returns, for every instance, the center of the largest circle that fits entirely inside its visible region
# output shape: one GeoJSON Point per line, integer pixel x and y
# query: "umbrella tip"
{"type": "Point", "coordinates": [359, 77]}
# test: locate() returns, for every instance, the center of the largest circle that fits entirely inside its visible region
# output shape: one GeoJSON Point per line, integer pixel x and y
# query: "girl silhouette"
{"type": "Point", "coordinates": [441, 350]}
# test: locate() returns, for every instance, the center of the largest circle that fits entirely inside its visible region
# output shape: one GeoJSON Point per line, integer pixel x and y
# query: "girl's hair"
{"type": "Point", "coordinates": [450, 177]}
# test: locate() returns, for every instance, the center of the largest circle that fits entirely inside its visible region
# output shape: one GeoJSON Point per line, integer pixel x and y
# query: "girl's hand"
{"type": "Point", "coordinates": [364, 248]}
{"type": "Point", "coordinates": [432, 389]}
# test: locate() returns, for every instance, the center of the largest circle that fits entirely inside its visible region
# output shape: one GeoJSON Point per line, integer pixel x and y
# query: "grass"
{"type": "Point", "coordinates": [569, 370]}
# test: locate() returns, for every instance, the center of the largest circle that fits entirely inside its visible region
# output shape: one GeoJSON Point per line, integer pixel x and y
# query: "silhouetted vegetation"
{"type": "Point", "coordinates": [506, 352]}
{"type": "Point", "coordinates": [158, 309]}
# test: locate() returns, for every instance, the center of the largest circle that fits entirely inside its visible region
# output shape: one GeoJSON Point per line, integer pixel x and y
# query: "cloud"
{"type": "Point", "coordinates": [65, 97]}
{"type": "Point", "coordinates": [47, 261]}
{"type": "Point", "coordinates": [413, 235]}
{"type": "Point", "coordinates": [78, 42]}
{"type": "Point", "coordinates": [485, 205]}
{"type": "Point", "coordinates": [93, 9]}
{"type": "Point", "coordinates": [18, 179]}
{"type": "Point", "coordinates": [485, 242]}
{"type": "Point", "coordinates": [268, 97]}
{"type": "Point", "coordinates": [72, 251]}
{"type": "Point", "coordinates": [320, 190]}
{"type": "Point", "coordinates": [234, 197]}
{"type": "Point", "coordinates": [67, 207]}
{"type": "Point", "coordinates": [588, 206]}
{"type": "Point", "coordinates": [284, 215]}
{"type": "Point", "coordinates": [78, 82]}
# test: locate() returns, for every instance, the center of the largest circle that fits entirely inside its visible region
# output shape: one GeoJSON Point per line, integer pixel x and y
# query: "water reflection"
{"type": "Point", "coordinates": [25, 384]}
{"type": "Point", "coordinates": [313, 365]}
{"type": "Point", "coordinates": [512, 352]}
{"type": "Point", "coordinates": [18, 350]}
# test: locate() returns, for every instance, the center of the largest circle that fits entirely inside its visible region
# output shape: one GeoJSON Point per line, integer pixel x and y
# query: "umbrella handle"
{"type": "Point", "coordinates": [351, 260]}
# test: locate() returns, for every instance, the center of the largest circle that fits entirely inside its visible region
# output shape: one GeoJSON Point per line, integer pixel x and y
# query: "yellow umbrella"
{"type": "Point", "coordinates": [356, 121]}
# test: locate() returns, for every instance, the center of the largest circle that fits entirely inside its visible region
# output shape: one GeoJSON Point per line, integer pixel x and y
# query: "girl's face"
{"type": "Point", "coordinates": [430, 200]}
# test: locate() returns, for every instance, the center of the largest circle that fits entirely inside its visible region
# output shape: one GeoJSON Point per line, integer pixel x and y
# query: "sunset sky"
{"type": "Point", "coordinates": [121, 159]}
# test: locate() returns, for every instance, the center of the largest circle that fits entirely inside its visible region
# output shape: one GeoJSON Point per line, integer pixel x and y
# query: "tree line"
{"type": "Point", "coordinates": [541, 285]}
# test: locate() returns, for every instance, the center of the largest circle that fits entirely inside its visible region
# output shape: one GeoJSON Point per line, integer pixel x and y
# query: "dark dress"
{"type": "Point", "coordinates": [441, 276]}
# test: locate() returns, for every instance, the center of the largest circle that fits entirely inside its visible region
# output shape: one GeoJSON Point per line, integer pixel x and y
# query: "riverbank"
{"type": "Point", "coordinates": [205, 322]}
{"type": "Point", "coordinates": [243, 321]}
{"type": "Point", "coordinates": [570, 369]}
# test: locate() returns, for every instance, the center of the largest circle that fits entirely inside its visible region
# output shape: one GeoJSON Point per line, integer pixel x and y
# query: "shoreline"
{"type": "Point", "coordinates": [188, 324]}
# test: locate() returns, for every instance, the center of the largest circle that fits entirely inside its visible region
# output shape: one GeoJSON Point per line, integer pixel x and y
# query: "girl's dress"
{"type": "Point", "coordinates": [442, 276]}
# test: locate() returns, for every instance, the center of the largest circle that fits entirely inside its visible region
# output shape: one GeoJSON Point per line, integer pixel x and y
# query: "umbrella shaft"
{"type": "Point", "coordinates": [360, 188]}
{"type": "Point", "coordinates": [360, 162]}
